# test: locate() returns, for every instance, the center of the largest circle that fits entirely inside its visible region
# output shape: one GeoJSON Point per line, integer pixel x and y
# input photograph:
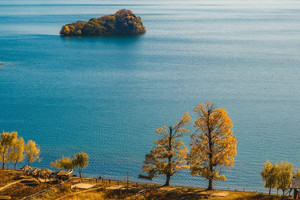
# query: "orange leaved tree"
{"type": "Point", "coordinates": [169, 154]}
{"type": "Point", "coordinates": [213, 145]}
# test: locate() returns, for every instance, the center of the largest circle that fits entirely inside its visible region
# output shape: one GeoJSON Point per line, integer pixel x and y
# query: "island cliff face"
{"type": "Point", "coordinates": [123, 22]}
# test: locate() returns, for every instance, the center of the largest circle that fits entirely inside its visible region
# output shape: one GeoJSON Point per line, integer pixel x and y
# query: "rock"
{"type": "Point", "coordinates": [123, 22]}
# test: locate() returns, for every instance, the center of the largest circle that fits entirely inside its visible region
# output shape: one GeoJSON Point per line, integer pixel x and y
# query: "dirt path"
{"type": "Point", "coordinates": [8, 185]}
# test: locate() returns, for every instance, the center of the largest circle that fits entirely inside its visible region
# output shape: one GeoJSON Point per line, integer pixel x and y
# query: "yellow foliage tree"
{"type": "Point", "coordinates": [32, 152]}
{"type": "Point", "coordinates": [6, 142]}
{"type": "Point", "coordinates": [2, 154]}
{"type": "Point", "coordinates": [16, 153]}
{"type": "Point", "coordinates": [170, 154]}
{"type": "Point", "coordinates": [80, 161]}
{"type": "Point", "coordinates": [270, 175]}
{"type": "Point", "coordinates": [285, 176]}
{"type": "Point", "coordinates": [63, 163]}
{"type": "Point", "coordinates": [215, 146]}
{"type": "Point", "coordinates": [297, 174]}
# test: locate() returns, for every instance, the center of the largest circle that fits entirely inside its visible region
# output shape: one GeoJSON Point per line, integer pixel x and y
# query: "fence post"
{"type": "Point", "coordinates": [127, 180]}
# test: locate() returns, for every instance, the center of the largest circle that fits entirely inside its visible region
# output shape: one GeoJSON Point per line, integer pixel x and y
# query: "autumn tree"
{"type": "Point", "coordinates": [270, 175]}
{"type": "Point", "coordinates": [16, 153]}
{"type": "Point", "coordinates": [2, 154]}
{"type": "Point", "coordinates": [214, 147]}
{"type": "Point", "coordinates": [285, 176]}
{"type": "Point", "coordinates": [32, 152]}
{"type": "Point", "coordinates": [64, 163]}
{"type": "Point", "coordinates": [297, 174]}
{"type": "Point", "coordinates": [169, 154]}
{"type": "Point", "coordinates": [6, 142]}
{"type": "Point", "coordinates": [80, 161]}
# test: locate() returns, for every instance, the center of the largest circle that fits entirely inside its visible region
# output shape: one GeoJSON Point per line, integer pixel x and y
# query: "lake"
{"type": "Point", "coordinates": [107, 95]}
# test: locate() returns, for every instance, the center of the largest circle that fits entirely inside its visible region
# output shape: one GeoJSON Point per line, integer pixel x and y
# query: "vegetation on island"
{"type": "Point", "coordinates": [123, 22]}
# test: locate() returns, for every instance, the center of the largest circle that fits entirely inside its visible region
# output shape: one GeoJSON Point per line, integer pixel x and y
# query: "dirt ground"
{"type": "Point", "coordinates": [109, 189]}
{"type": "Point", "coordinates": [22, 187]}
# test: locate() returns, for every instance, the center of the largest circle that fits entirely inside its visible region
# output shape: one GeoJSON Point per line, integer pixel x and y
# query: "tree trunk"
{"type": "Point", "coordinates": [3, 163]}
{"type": "Point", "coordinates": [295, 194]}
{"type": "Point", "coordinates": [210, 143]}
{"type": "Point", "coordinates": [79, 173]}
{"type": "Point", "coordinates": [7, 165]}
{"type": "Point", "coordinates": [168, 180]}
{"type": "Point", "coordinates": [270, 191]}
{"type": "Point", "coordinates": [15, 167]}
{"type": "Point", "coordinates": [210, 185]}
{"type": "Point", "coordinates": [169, 157]}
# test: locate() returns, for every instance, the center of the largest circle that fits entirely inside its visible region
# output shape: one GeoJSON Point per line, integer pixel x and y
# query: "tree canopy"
{"type": "Point", "coordinates": [215, 146]}
{"type": "Point", "coordinates": [6, 142]}
{"type": "Point", "coordinates": [13, 149]}
{"type": "Point", "coordinates": [278, 176]}
{"type": "Point", "coordinates": [285, 176]}
{"type": "Point", "coordinates": [32, 152]}
{"type": "Point", "coordinates": [169, 154]}
{"type": "Point", "coordinates": [270, 175]}
{"type": "Point", "coordinates": [64, 163]}
{"type": "Point", "coordinates": [80, 161]}
{"type": "Point", "coordinates": [16, 153]}
{"type": "Point", "coordinates": [297, 174]}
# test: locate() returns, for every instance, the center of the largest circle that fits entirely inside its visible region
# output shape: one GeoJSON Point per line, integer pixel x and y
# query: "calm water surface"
{"type": "Point", "coordinates": [106, 96]}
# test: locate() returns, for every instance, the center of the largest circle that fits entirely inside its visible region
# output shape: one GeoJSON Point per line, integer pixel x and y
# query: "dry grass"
{"type": "Point", "coordinates": [88, 196]}
{"type": "Point", "coordinates": [21, 189]}
{"type": "Point", "coordinates": [8, 176]}
{"type": "Point", "coordinates": [118, 190]}
{"type": "Point", "coordinates": [159, 195]}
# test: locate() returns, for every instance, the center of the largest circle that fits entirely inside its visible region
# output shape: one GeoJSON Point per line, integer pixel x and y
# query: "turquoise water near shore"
{"type": "Point", "coordinates": [106, 96]}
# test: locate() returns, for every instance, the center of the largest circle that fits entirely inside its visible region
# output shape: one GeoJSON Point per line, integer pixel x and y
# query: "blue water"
{"type": "Point", "coordinates": [106, 96]}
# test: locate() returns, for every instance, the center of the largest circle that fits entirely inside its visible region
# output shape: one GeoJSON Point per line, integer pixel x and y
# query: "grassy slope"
{"type": "Point", "coordinates": [147, 191]}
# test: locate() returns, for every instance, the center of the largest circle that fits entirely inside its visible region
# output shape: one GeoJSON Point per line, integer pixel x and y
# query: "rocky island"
{"type": "Point", "coordinates": [123, 22]}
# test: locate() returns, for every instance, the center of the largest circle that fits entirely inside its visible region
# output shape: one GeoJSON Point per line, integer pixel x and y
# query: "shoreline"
{"type": "Point", "coordinates": [30, 187]}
